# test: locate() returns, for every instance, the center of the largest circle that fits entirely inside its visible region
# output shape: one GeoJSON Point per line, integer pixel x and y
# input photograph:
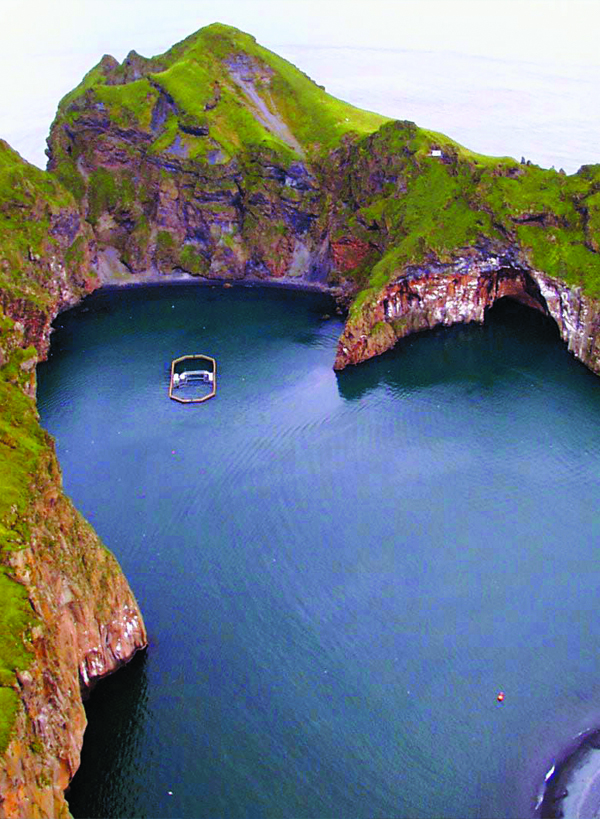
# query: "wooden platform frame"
{"type": "Point", "coordinates": [193, 358]}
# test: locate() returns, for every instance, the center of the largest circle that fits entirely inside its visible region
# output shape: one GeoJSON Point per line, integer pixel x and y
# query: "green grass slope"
{"type": "Point", "coordinates": [22, 442]}
{"type": "Point", "coordinates": [201, 75]}
{"type": "Point", "coordinates": [433, 208]}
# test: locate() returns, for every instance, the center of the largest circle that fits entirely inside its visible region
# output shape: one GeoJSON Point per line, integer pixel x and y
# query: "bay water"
{"type": "Point", "coordinates": [338, 572]}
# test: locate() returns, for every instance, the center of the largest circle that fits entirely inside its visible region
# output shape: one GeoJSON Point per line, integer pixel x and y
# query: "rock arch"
{"type": "Point", "coordinates": [517, 284]}
{"type": "Point", "coordinates": [423, 297]}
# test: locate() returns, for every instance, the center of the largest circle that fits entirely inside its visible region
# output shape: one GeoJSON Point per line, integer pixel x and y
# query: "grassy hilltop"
{"type": "Point", "coordinates": [208, 158]}
{"type": "Point", "coordinates": [205, 76]}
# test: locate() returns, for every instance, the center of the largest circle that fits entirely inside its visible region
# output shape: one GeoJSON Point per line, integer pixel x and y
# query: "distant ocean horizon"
{"type": "Point", "coordinates": [502, 107]}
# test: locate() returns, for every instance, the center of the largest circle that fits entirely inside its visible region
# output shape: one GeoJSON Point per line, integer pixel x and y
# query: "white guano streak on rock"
{"type": "Point", "coordinates": [421, 297]}
{"type": "Point", "coordinates": [574, 315]}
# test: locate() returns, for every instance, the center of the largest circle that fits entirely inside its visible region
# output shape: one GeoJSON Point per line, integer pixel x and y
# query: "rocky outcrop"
{"type": "Point", "coordinates": [86, 624]}
{"type": "Point", "coordinates": [205, 161]}
{"type": "Point", "coordinates": [423, 297]}
{"type": "Point", "coordinates": [67, 614]}
{"type": "Point", "coordinates": [162, 214]}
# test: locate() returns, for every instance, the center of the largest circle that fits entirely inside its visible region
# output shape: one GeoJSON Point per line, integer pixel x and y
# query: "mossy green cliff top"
{"type": "Point", "coordinates": [228, 95]}
{"type": "Point", "coordinates": [412, 206]}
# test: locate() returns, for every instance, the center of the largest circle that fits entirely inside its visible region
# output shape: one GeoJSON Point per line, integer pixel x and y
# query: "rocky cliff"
{"type": "Point", "coordinates": [67, 614]}
{"type": "Point", "coordinates": [422, 297]}
{"type": "Point", "coordinates": [447, 232]}
{"type": "Point", "coordinates": [220, 159]}
{"type": "Point", "coordinates": [205, 161]}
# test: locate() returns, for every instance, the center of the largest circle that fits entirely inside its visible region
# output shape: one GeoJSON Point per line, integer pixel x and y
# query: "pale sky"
{"type": "Point", "coordinates": [555, 30]}
{"type": "Point", "coordinates": [47, 45]}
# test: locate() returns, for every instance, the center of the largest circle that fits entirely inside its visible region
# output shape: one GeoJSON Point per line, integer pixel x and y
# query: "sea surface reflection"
{"type": "Point", "coordinates": [338, 571]}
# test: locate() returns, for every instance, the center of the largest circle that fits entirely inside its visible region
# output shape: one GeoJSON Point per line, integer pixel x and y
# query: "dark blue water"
{"type": "Point", "coordinates": [338, 572]}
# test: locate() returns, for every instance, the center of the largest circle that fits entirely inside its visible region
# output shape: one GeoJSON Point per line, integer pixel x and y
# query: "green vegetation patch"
{"type": "Point", "coordinates": [562, 254]}
{"type": "Point", "coordinates": [21, 443]}
{"type": "Point", "coordinates": [130, 104]}
{"type": "Point", "coordinates": [9, 705]}
{"type": "Point", "coordinates": [318, 120]}
{"type": "Point", "coordinates": [189, 83]}
{"type": "Point", "coordinates": [102, 193]}
{"type": "Point", "coordinates": [21, 182]}
{"type": "Point", "coordinates": [29, 198]}
{"type": "Point", "coordinates": [16, 621]}
{"type": "Point", "coordinates": [192, 261]}
{"type": "Point", "coordinates": [109, 191]}
{"type": "Point", "coordinates": [451, 202]}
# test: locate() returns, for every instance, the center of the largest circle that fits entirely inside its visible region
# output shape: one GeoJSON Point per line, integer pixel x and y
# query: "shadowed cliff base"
{"type": "Point", "coordinates": [518, 315]}
{"type": "Point", "coordinates": [463, 353]}
{"type": "Point", "coordinates": [117, 713]}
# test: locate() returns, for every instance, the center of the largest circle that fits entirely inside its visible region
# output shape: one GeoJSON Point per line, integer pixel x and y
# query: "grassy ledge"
{"type": "Point", "coordinates": [436, 207]}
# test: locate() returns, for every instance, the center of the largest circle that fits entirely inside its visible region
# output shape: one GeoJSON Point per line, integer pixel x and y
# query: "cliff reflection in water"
{"type": "Point", "coordinates": [117, 712]}
{"type": "Point", "coordinates": [514, 339]}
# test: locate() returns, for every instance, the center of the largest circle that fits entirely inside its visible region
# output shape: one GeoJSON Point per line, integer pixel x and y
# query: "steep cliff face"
{"type": "Point", "coordinates": [206, 161]}
{"type": "Point", "coordinates": [46, 250]}
{"type": "Point", "coordinates": [445, 236]}
{"type": "Point", "coordinates": [442, 294]}
{"type": "Point", "coordinates": [67, 615]}
{"type": "Point", "coordinates": [85, 623]}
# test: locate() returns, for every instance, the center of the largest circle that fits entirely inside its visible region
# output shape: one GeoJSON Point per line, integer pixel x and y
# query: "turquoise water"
{"type": "Point", "coordinates": [338, 571]}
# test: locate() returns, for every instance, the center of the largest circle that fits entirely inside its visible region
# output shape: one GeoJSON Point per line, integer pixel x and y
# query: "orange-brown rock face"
{"type": "Point", "coordinates": [349, 253]}
{"type": "Point", "coordinates": [88, 625]}
{"type": "Point", "coordinates": [78, 619]}
{"type": "Point", "coordinates": [423, 297]}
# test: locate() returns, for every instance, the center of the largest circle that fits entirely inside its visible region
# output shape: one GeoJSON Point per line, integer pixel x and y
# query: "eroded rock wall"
{"type": "Point", "coordinates": [67, 614]}
{"type": "Point", "coordinates": [423, 297]}
{"type": "Point", "coordinates": [577, 316]}
{"type": "Point", "coordinates": [257, 216]}
{"type": "Point", "coordinates": [87, 624]}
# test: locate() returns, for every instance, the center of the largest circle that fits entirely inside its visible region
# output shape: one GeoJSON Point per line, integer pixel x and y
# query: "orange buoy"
{"type": "Point", "coordinates": [500, 696]}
